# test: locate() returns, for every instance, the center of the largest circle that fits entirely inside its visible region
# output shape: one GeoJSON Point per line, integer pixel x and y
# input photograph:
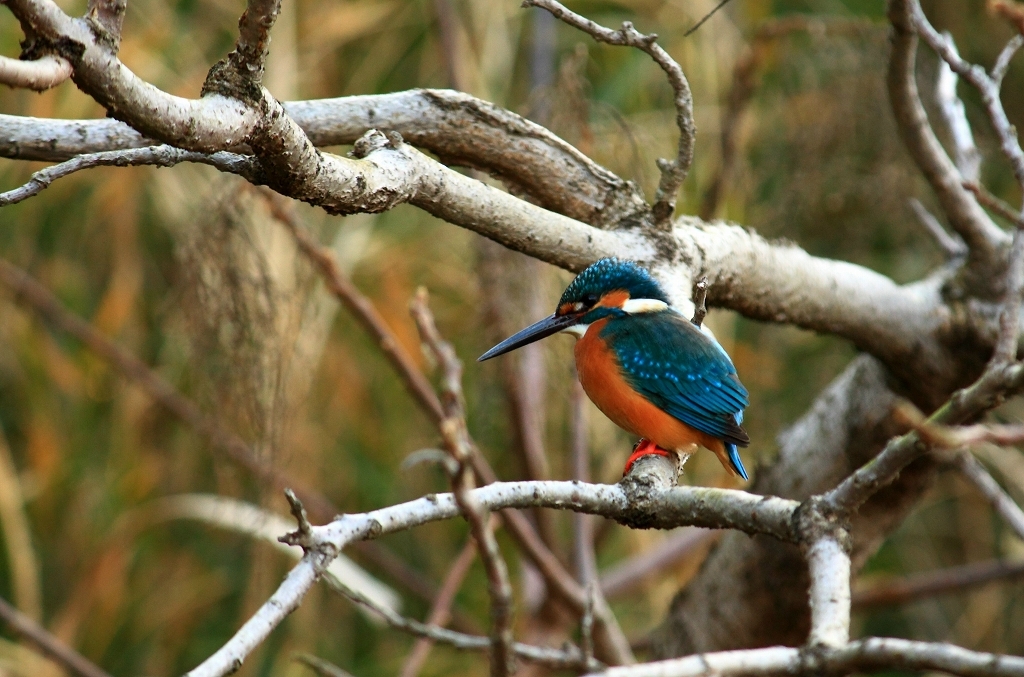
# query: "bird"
{"type": "Point", "coordinates": [647, 367]}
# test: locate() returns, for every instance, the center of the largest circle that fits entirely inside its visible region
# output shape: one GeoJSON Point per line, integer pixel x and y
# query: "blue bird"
{"type": "Point", "coordinates": [646, 366]}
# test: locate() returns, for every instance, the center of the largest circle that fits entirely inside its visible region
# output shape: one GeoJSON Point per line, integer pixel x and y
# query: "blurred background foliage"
{"type": "Point", "coordinates": [187, 270]}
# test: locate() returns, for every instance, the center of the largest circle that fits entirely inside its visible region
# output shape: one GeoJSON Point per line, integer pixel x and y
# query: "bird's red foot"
{"type": "Point", "coordinates": [644, 448]}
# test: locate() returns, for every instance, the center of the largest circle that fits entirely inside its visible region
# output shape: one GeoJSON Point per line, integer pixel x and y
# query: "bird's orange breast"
{"type": "Point", "coordinates": [603, 380]}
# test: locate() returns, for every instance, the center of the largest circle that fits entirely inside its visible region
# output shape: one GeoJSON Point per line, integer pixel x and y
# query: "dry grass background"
{"type": "Point", "coordinates": [187, 270]}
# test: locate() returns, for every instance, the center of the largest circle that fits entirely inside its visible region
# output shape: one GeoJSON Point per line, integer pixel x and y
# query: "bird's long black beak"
{"type": "Point", "coordinates": [552, 324]}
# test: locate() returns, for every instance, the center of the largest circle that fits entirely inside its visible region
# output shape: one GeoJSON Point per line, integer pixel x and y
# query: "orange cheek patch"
{"type": "Point", "coordinates": [614, 299]}
{"type": "Point", "coordinates": [564, 309]}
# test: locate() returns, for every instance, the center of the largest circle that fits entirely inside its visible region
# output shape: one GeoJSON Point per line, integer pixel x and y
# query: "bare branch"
{"type": "Point", "coordinates": [627, 576]}
{"type": "Point", "coordinates": [673, 172]}
{"type": "Point", "coordinates": [610, 636]}
{"type": "Point", "coordinates": [999, 379]}
{"type": "Point", "coordinates": [865, 655]}
{"type": "Point", "coordinates": [986, 86]}
{"type": "Point", "coordinates": [440, 610]}
{"type": "Point", "coordinates": [160, 156]}
{"type": "Point", "coordinates": [570, 657]}
{"type": "Point", "coordinates": [320, 666]}
{"type": "Point", "coordinates": [995, 204]}
{"type": "Point", "coordinates": [931, 583]}
{"type": "Point", "coordinates": [38, 75]}
{"type": "Point", "coordinates": [952, 245]}
{"type": "Point", "coordinates": [458, 128]}
{"type": "Point", "coordinates": [249, 58]}
{"type": "Point", "coordinates": [46, 644]}
{"type": "Point", "coordinates": [453, 430]}
{"type": "Point", "coordinates": [829, 567]}
{"type": "Point", "coordinates": [700, 295]}
{"type": "Point", "coordinates": [361, 307]}
{"type": "Point", "coordinates": [965, 216]}
{"type": "Point", "coordinates": [1001, 502]}
{"type": "Point", "coordinates": [1002, 63]}
{"type": "Point", "coordinates": [665, 509]}
{"type": "Point", "coordinates": [965, 152]}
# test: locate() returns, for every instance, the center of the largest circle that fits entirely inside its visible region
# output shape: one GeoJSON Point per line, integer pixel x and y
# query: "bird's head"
{"type": "Point", "coordinates": [608, 287]}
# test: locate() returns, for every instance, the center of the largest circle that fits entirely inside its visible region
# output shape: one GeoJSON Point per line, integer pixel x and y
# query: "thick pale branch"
{"type": "Point", "coordinates": [873, 654]}
{"type": "Point", "coordinates": [38, 75]}
{"type": "Point", "coordinates": [829, 569]}
{"type": "Point", "coordinates": [778, 282]}
{"type": "Point", "coordinates": [458, 128]}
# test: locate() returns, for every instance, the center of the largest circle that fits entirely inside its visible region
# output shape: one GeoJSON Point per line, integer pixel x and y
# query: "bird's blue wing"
{"type": "Point", "coordinates": [682, 371]}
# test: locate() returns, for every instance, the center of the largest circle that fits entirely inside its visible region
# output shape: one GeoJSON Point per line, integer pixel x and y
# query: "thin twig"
{"type": "Point", "coordinates": [45, 643]}
{"type": "Point", "coordinates": [625, 577]}
{"type": "Point", "coordinates": [1001, 501]}
{"type": "Point", "coordinates": [693, 29]}
{"type": "Point", "coordinates": [999, 379]}
{"type": "Point", "coordinates": [931, 583]}
{"type": "Point", "coordinates": [995, 204]}
{"type": "Point", "coordinates": [440, 611]}
{"type": "Point", "coordinates": [569, 657]}
{"type": "Point", "coordinates": [160, 156]}
{"type": "Point", "coordinates": [1003, 61]}
{"type": "Point", "coordinates": [456, 437]}
{"type": "Point", "coordinates": [673, 172]}
{"type": "Point", "coordinates": [700, 297]}
{"type": "Point", "coordinates": [38, 75]}
{"type": "Point", "coordinates": [986, 85]}
{"type": "Point", "coordinates": [952, 245]}
{"type": "Point", "coordinates": [320, 666]}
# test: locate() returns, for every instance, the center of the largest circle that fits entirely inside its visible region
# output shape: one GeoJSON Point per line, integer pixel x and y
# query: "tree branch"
{"type": "Point", "coordinates": [673, 172]}
{"type": "Point", "coordinates": [965, 216]}
{"type": "Point", "coordinates": [38, 75]}
{"type": "Point", "coordinates": [160, 156]}
{"type": "Point", "coordinates": [456, 437]}
{"type": "Point", "coordinates": [866, 655]}
{"type": "Point", "coordinates": [46, 644]}
{"type": "Point", "coordinates": [1001, 502]}
{"type": "Point", "coordinates": [721, 508]}
{"type": "Point", "coordinates": [931, 583]}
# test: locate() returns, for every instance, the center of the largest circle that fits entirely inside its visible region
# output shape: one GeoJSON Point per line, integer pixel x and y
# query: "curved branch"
{"type": "Point", "coordinates": [38, 75]}
{"type": "Point", "coordinates": [673, 172]}
{"type": "Point", "coordinates": [967, 218]}
{"type": "Point", "coordinates": [720, 508]}
{"type": "Point", "coordinates": [160, 156]}
{"type": "Point", "coordinates": [458, 128]}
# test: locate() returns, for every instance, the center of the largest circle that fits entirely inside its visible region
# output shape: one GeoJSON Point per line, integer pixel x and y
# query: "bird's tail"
{"type": "Point", "coordinates": [735, 460]}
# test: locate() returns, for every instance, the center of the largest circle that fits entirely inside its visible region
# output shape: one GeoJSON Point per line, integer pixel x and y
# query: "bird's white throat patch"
{"type": "Point", "coordinates": [577, 330]}
{"type": "Point", "coordinates": [637, 306]}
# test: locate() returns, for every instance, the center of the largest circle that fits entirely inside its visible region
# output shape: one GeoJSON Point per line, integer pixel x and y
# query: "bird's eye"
{"type": "Point", "coordinates": [590, 300]}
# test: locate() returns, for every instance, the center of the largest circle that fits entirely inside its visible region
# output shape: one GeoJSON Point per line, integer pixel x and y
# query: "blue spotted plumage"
{"type": "Point", "coordinates": [648, 368]}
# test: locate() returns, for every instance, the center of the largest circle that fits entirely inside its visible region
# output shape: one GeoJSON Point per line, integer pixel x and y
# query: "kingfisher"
{"type": "Point", "coordinates": [648, 368]}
